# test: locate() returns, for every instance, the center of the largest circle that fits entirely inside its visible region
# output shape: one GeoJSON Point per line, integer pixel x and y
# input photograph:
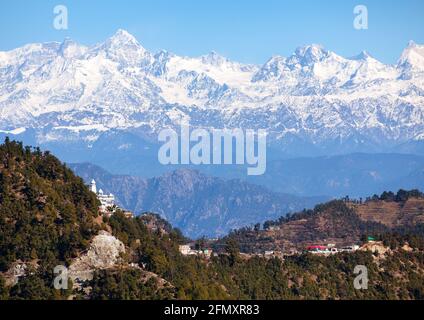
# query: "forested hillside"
{"type": "Point", "coordinates": [48, 217]}
{"type": "Point", "coordinates": [47, 213]}
{"type": "Point", "coordinates": [341, 222]}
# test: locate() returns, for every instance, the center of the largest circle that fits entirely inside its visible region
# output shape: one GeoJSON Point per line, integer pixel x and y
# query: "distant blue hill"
{"type": "Point", "coordinates": [197, 204]}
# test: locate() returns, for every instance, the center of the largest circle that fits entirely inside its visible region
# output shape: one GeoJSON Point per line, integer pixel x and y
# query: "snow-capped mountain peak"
{"type": "Point", "coordinates": [272, 69]}
{"type": "Point", "coordinates": [68, 91]}
{"type": "Point", "coordinates": [123, 38]}
{"type": "Point", "coordinates": [70, 49]}
{"type": "Point", "coordinates": [309, 55]}
{"type": "Point", "coordinates": [411, 62]}
{"type": "Point", "coordinates": [122, 47]}
{"type": "Point", "coordinates": [364, 55]}
{"type": "Point", "coordinates": [214, 59]}
{"type": "Point", "coordinates": [413, 55]}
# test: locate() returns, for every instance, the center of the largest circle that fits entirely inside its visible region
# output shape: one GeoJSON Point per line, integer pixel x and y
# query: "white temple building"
{"type": "Point", "coordinates": [106, 200]}
{"type": "Point", "coordinates": [93, 187]}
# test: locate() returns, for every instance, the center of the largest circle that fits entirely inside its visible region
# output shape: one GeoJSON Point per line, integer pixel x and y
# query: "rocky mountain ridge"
{"type": "Point", "coordinates": [313, 99]}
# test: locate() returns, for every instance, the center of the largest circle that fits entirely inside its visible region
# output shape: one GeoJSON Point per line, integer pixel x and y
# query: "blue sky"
{"type": "Point", "coordinates": [244, 30]}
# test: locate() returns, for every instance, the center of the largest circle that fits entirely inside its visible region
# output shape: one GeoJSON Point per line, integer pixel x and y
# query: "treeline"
{"type": "Point", "coordinates": [400, 196]}
{"type": "Point", "coordinates": [334, 219]}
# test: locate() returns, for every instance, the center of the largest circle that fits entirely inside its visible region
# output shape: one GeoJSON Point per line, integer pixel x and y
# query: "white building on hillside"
{"type": "Point", "coordinates": [93, 187]}
{"type": "Point", "coordinates": [106, 200]}
{"type": "Point", "coordinates": [185, 249]}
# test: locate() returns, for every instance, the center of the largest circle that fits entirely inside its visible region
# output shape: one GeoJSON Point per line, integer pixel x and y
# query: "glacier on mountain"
{"type": "Point", "coordinates": [70, 92]}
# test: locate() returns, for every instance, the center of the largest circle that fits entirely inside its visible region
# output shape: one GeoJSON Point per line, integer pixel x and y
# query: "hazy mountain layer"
{"type": "Point", "coordinates": [197, 204]}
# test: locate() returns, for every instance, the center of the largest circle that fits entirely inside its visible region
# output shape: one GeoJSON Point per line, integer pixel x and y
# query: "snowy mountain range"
{"type": "Point", "coordinates": [313, 100]}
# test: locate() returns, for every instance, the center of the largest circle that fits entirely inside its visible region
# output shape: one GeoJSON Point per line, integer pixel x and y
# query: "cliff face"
{"type": "Point", "coordinates": [104, 253]}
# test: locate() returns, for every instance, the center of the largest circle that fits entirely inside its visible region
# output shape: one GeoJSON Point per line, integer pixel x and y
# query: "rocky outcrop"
{"type": "Point", "coordinates": [375, 247]}
{"type": "Point", "coordinates": [17, 270]}
{"type": "Point", "coordinates": [105, 252]}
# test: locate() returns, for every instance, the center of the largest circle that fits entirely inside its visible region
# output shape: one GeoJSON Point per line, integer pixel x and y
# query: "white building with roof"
{"type": "Point", "coordinates": [106, 200]}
